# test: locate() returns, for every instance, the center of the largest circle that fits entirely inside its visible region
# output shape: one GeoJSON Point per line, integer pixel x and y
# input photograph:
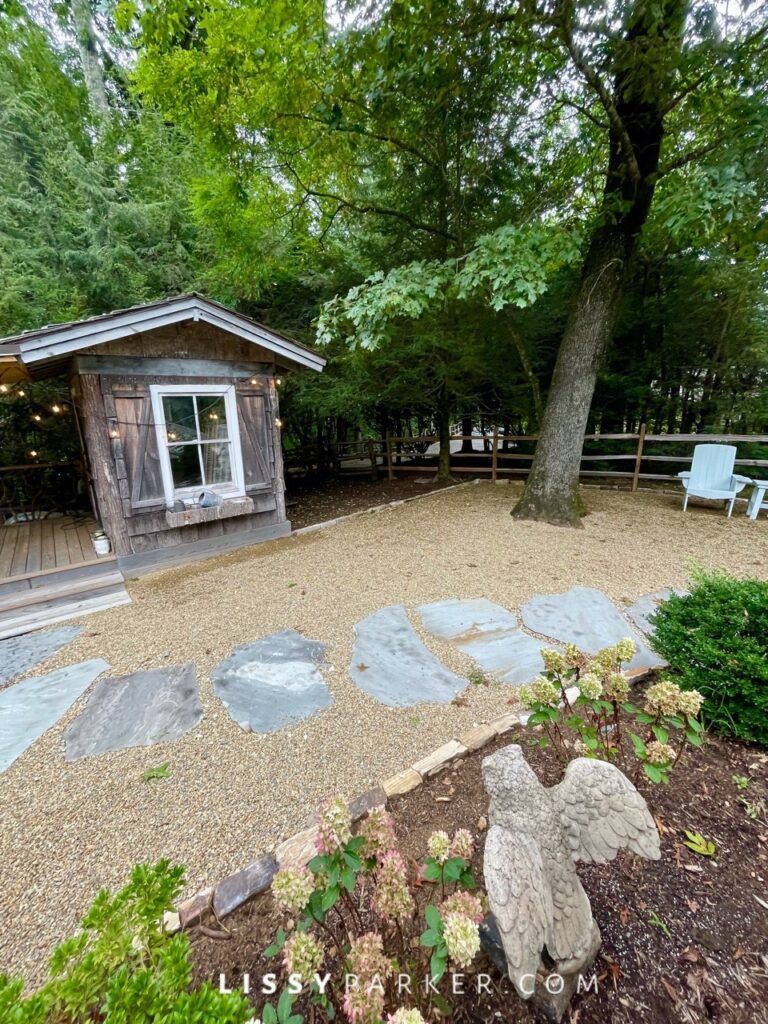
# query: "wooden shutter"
{"type": "Point", "coordinates": [139, 442]}
{"type": "Point", "coordinates": [255, 440]}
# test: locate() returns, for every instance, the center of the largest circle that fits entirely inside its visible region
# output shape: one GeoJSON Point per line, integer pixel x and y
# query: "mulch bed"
{"type": "Point", "coordinates": [310, 501]}
{"type": "Point", "coordinates": [685, 939]}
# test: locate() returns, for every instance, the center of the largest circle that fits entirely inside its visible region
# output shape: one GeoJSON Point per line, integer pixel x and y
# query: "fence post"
{"type": "Point", "coordinates": [639, 457]}
{"type": "Point", "coordinates": [390, 470]}
{"type": "Point", "coordinates": [495, 454]}
{"type": "Point", "coordinates": [373, 458]}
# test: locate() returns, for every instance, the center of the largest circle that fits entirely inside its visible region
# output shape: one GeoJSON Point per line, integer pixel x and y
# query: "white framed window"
{"type": "Point", "coordinates": [197, 439]}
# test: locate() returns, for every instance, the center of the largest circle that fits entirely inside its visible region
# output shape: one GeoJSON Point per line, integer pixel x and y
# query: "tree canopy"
{"type": "Point", "coordinates": [548, 213]}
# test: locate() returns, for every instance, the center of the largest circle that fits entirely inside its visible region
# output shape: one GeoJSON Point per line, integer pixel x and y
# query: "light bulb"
{"type": "Point", "coordinates": [278, 381]}
{"type": "Point", "coordinates": [37, 418]}
{"type": "Point", "coordinates": [33, 453]}
{"type": "Point", "coordinates": [278, 422]}
{"type": "Point", "coordinates": [4, 388]}
{"type": "Point", "coordinates": [22, 393]}
{"type": "Point", "coordinates": [55, 408]}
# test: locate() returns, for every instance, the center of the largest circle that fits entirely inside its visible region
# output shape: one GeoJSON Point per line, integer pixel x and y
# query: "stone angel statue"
{"type": "Point", "coordinates": [535, 837]}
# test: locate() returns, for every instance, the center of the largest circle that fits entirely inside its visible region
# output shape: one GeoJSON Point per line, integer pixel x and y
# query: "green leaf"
{"type": "Point", "coordinates": [430, 937]}
{"type": "Point", "coordinates": [268, 1015]}
{"type": "Point", "coordinates": [329, 898]}
{"type": "Point", "coordinates": [453, 868]}
{"type": "Point", "coordinates": [661, 734]}
{"type": "Point", "coordinates": [654, 773]}
{"type": "Point", "coordinates": [348, 879]}
{"type": "Point", "coordinates": [437, 964]}
{"type": "Point", "coordinates": [638, 744]}
{"type": "Point", "coordinates": [432, 917]}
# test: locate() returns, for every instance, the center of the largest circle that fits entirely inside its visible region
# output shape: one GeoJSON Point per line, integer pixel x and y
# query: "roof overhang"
{"type": "Point", "coordinates": [50, 344]}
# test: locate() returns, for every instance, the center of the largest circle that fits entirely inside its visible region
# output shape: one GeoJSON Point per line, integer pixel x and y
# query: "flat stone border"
{"type": "Point", "coordinates": [379, 508]}
{"type": "Point", "coordinates": [299, 849]}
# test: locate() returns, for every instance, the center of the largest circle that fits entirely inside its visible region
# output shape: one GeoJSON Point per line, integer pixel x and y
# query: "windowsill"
{"type": "Point", "coordinates": [229, 507]}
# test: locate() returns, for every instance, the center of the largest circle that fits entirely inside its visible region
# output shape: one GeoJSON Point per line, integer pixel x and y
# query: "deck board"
{"type": "Point", "coordinates": [45, 545]}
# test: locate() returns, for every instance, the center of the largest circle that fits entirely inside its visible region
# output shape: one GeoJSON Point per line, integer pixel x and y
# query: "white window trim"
{"type": "Point", "coordinates": [226, 391]}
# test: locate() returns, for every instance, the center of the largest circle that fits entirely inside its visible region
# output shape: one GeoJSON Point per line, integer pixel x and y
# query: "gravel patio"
{"type": "Point", "coordinates": [70, 828]}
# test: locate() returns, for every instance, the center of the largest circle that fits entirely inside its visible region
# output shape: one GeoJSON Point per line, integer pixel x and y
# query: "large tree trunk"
{"type": "Point", "coordinates": [444, 434]}
{"type": "Point", "coordinates": [82, 17]}
{"type": "Point", "coordinates": [552, 488]}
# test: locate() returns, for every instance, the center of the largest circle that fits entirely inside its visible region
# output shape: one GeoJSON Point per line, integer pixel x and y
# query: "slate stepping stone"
{"type": "Point", "coordinates": [585, 617]}
{"type": "Point", "coordinates": [137, 710]}
{"type": "Point", "coordinates": [489, 634]}
{"type": "Point", "coordinates": [390, 662]}
{"type": "Point", "coordinates": [647, 605]}
{"type": "Point", "coordinates": [19, 653]}
{"type": "Point", "coordinates": [30, 708]}
{"type": "Point", "coordinates": [273, 682]}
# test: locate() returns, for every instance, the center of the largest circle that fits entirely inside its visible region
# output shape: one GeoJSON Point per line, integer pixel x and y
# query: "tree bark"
{"type": "Point", "coordinates": [466, 430]}
{"type": "Point", "coordinates": [444, 435]}
{"type": "Point", "coordinates": [82, 16]}
{"type": "Point", "coordinates": [552, 488]}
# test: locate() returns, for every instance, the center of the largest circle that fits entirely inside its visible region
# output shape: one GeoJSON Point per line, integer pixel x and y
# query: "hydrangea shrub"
{"type": "Point", "coordinates": [582, 704]}
{"type": "Point", "coordinates": [351, 914]}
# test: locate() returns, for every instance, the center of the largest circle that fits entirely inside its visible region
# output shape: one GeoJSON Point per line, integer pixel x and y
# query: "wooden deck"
{"type": "Point", "coordinates": [44, 545]}
{"type": "Point", "coordinates": [49, 573]}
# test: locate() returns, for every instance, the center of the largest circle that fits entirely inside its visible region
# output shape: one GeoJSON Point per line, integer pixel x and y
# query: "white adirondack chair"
{"type": "Point", "coordinates": [711, 475]}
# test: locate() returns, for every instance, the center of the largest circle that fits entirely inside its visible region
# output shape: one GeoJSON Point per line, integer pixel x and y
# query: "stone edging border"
{"type": "Point", "coordinates": [296, 851]}
{"type": "Point", "coordinates": [313, 527]}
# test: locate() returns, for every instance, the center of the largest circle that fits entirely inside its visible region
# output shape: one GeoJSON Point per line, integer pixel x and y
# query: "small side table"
{"type": "Point", "coordinates": [757, 499]}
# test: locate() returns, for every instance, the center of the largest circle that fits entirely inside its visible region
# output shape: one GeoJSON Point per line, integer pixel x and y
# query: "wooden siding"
{"type": "Point", "coordinates": [116, 410]}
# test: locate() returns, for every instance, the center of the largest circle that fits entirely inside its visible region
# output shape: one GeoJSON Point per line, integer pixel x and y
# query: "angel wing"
{"type": "Point", "coordinates": [601, 813]}
{"type": "Point", "coordinates": [520, 899]}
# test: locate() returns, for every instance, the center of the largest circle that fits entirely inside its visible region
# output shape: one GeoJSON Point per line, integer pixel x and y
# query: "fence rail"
{"type": "Point", "coordinates": [393, 454]}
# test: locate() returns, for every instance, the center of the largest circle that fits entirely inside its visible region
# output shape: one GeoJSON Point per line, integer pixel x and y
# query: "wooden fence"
{"type": "Point", "coordinates": [393, 455]}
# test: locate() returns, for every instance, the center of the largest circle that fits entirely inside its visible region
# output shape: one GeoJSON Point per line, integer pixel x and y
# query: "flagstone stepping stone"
{"type": "Point", "coordinates": [586, 617]}
{"type": "Point", "coordinates": [19, 653]}
{"type": "Point", "coordinates": [390, 662]}
{"type": "Point", "coordinates": [137, 710]}
{"type": "Point", "coordinates": [647, 605]}
{"type": "Point", "coordinates": [273, 682]}
{"type": "Point", "coordinates": [30, 708]}
{"type": "Point", "coordinates": [489, 634]}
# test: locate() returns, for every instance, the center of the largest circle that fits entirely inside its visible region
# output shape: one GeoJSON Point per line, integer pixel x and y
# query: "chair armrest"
{"type": "Point", "coordinates": [685, 475]}
{"type": "Point", "coordinates": [743, 479]}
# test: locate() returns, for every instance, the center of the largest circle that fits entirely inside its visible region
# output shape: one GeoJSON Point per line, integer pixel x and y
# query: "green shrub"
{"type": "Point", "coordinates": [716, 638]}
{"type": "Point", "coordinates": [123, 968]}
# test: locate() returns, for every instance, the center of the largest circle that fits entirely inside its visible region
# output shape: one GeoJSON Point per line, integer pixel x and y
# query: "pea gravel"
{"type": "Point", "coordinates": [68, 829]}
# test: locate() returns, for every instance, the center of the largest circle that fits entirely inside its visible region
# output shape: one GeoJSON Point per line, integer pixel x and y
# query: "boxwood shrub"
{"type": "Point", "coordinates": [716, 638]}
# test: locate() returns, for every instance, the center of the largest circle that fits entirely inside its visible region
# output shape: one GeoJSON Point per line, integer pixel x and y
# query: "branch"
{"type": "Point", "coordinates": [370, 207]}
{"type": "Point", "coordinates": [690, 156]}
{"type": "Point", "coordinates": [592, 78]}
{"type": "Point", "coordinates": [392, 140]}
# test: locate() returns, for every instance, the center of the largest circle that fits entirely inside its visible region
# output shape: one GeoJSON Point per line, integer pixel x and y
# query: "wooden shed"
{"type": "Point", "coordinates": [177, 407]}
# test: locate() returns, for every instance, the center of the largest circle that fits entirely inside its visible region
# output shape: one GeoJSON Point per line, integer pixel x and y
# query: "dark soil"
{"type": "Point", "coordinates": [315, 501]}
{"type": "Point", "coordinates": [685, 939]}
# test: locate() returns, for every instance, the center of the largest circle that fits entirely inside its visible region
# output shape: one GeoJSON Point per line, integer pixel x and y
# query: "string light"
{"type": "Point", "coordinates": [253, 381]}
{"type": "Point", "coordinates": [37, 417]}
{"type": "Point", "coordinates": [278, 422]}
{"type": "Point", "coordinates": [171, 436]}
{"type": "Point", "coordinates": [55, 408]}
{"type": "Point", "coordinates": [34, 454]}
{"type": "Point", "coordinates": [278, 381]}
{"type": "Point", "coordinates": [4, 388]}
{"type": "Point", "coordinates": [22, 394]}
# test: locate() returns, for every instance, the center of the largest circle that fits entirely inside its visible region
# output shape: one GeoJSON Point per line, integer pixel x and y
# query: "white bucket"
{"type": "Point", "coordinates": [101, 545]}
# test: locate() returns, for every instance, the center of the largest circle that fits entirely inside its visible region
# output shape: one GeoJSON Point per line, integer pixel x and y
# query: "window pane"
{"type": "Point", "coordinates": [212, 414]}
{"type": "Point", "coordinates": [216, 463]}
{"type": "Point", "coordinates": [179, 412]}
{"type": "Point", "coordinates": [185, 465]}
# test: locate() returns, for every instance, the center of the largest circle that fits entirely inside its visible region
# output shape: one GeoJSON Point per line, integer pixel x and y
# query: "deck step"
{"type": "Point", "coordinates": [40, 595]}
{"type": "Point", "coordinates": [51, 610]}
